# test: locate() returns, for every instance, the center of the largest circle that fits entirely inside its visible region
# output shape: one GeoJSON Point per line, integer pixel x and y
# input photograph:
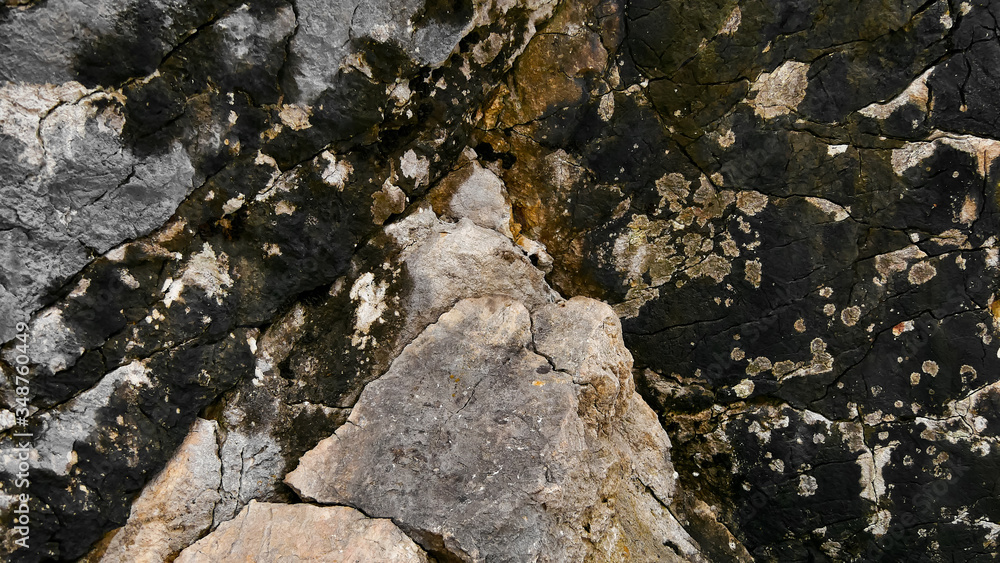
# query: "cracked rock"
{"type": "Point", "coordinates": [526, 425]}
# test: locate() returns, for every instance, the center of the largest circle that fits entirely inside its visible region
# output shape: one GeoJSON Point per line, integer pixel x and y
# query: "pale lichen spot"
{"type": "Point", "coordinates": [128, 279]}
{"type": "Point", "coordinates": [834, 150]}
{"type": "Point", "coordinates": [81, 288]}
{"type": "Point", "coordinates": [737, 354]}
{"type": "Point", "coordinates": [725, 138]}
{"type": "Point", "coordinates": [732, 22]}
{"type": "Point", "coordinates": [829, 309]}
{"type": "Point", "coordinates": [370, 299]}
{"type": "Point", "coordinates": [233, 204]}
{"type": "Point", "coordinates": [204, 270]}
{"type": "Point", "coordinates": [897, 261]}
{"type": "Point", "coordinates": [295, 116]}
{"type": "Point", "coordinates": [743, 389]}
{"type": "Point", "coordinates": [838, 212]}
{"type": "Point", "coordinates": [336, 172]}
{"type": "Point", "coordinates": [606, 109]}
{"type": "Point", "coordinates": [905, 326]}
{"type": "Point", "coordinates": [781, 91]}
{"type": "Point", "coordinates": [916, 94]}
{"type": "Point", "coordinates": [284, 208]}
{"type": "Point", "coordinates": [751, 202]}
{"type": "Point", "coordinates": [910, 155]}
{"type": "Point", "coordinates": [800, 325]}
{"type": "Point", "coordinates": [713, 266]}
{"type": "Point", "coordinates": [850, 315]}
{"type": "Point", "coordinates": [414, 167]}
{"type": "Point", "coordinates": [969, 212]}
{"type": "Point", "coordinates": [752, 272]}
{"type": "Point", "coordinates": [758, 365]}
{"type": "Point", "coordinates": [807, 485]}
{"type": "Point", "coordinates": [921, 272]}
{"type": "Point", "coordinates": [825, 292]}
{"type": "Point", "coordinates": [929, 367]}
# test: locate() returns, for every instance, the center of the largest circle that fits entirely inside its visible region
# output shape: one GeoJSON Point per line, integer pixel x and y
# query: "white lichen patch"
{"type": "Point", "coordinates": [969, 211]}
{"type": "Point", "coordinates": [897, 261]}
{"type": "Point", "coordinates": [921, 273]}
{"type": "Point", "coordinates": [416, 168]}
{"type": "Point", "coordinates": [204, 270]}
{"type": "Point", "coordinates": [752, 272]}
{"type": "Point", "coordinates": [743, 389]}
{"type": "Point", "coordinates": [834, 150]}
{"type": "Point", "coordinates": [984, 150]}
{"type": "Point", "coordinates": [337, 172]}
{"type": "Point", "coordinates": [910, 155]}
{"type": "Point", "coordinates": [233, 205]}
{"type": "Point", "coordinates": [781, 91]}
{"type": "Point", "coordinates": [674, 190]}
{"type": "Point", "coordinates": [732, 22]}
{"type": "Point", "coordinates": [606, 108]}
{"type": "Point", "coordinates": [295, 116]}
{"type": "Point", "coordinates": [370, 305]}
{"type": "Point", "coordinates": [22, 108]}
{"type": "Point", "coordinates": [713, 266]}
{"type": "Point", "coordinates": [821, 362]}
{"type": "Point", "coordinates": [54, 343]}
{"type": "Point", "coordinates": [850, 316]}
{"type": "Point", "coordinates": [751, 202]}
{"type": "Point", "coordinates": [878, 524]}
{"type": "Point", "coordinates": [838, 212]}
{"type": "Point", "coordinates": [807, 485]}
{"type": "Point", "coordinates": [284, 208]}
{"type": "Point", "coordinates": [916, 94]}
{"type": "Point", "coordinates": [726, 138]}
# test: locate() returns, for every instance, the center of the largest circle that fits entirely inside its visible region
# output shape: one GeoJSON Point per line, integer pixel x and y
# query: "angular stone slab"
{"type": "Point", "coordinates": [480, 450]}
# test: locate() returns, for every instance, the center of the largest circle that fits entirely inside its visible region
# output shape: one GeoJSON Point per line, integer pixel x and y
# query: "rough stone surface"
{"type": "Point", "coordinates": [243, 212]}
{"type": "Point", "coordinates": [301, 532]}
{"type": "Point", "coordinates": [527, 424]}
{"type": "Point", "coordinates": [176, 508]}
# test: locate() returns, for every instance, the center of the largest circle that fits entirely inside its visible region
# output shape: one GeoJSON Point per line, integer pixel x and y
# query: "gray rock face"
{"type": "Point", "coordinates": [301, 532]}
{"type": "Point", "coordinates": [483, 449]}
{"type": "Point", "coordinates": [78, 189]}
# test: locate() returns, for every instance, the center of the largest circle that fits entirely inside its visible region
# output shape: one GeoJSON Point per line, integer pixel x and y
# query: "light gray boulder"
{"type": "Point", "coordinates": [498, 435]}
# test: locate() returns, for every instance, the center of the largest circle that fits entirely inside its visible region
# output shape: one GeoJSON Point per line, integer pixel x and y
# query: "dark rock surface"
{"type": "Point", "coordinates": [243, 213]}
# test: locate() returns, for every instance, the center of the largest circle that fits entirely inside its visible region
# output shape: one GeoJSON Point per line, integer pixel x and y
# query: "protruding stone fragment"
{"type": "Point", "coordinates": [176, 507]}
{"type": "Point", "coordinates": [483, 449]}
{"type": "Point", "coordinates": [302, 532]}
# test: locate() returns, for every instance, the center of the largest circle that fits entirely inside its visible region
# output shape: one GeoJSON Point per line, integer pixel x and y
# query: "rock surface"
{"type": "Point", "coordinates": [244, 212]}
{"type": "Point", "coordinates": [176, 507]}
{"type": "Point", "coordinates": [498, 435]}
{"type": "Point", "coordinates": [301, 532]}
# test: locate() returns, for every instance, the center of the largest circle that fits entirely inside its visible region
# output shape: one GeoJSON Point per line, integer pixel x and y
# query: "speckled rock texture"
{"type": "Point", "coordinates": [499, 435]}
{"type": "Point", "coordinates": [249, 242]}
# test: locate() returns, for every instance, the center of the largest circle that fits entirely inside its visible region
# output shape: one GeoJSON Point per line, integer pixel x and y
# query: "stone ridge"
{"type": "Point", "coordinates": [499, 435]}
